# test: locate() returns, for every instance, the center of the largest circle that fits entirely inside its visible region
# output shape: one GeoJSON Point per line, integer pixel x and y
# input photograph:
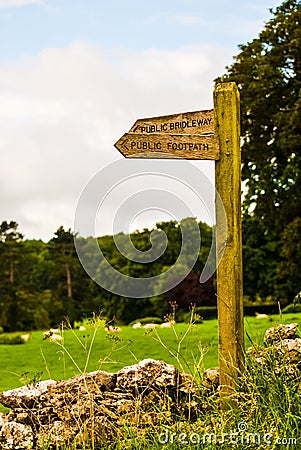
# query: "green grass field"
{"type": "Point", "coordinates": [191, 348]}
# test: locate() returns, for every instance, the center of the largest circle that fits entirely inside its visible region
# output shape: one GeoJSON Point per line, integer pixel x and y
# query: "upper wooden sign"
{"type": "Point", "coordinates": [187, 135]}
{"type": "Point", "coordinates": [196, 122]}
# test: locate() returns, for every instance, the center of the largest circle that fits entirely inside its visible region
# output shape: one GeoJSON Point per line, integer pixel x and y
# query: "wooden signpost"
{"type": "Point", "coordinates": [215, 135]}
{"type": "Point", "coordinates": [186, 136]}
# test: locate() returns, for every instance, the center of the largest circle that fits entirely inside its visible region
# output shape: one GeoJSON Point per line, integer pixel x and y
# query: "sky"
{"type": "Point", "coordinates": [74, 77]}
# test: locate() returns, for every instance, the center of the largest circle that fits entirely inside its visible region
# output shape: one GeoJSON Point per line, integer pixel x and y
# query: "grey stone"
{"type": "Point", "coordinates": [280, 332]}
{"type": "Point", "coordinates": [211, 378]}
{"type": "Point", "coordinates": [57, 412]}
{"type": "Point", "coordinates": [25, 396]}
{"type": "Point", "coordinates": [282, 351]}
{"type": "Point", "coordinates": [290, 349]}
{"type": "Point", "coordinates": [16, 436]}
{"type": "Point", "coordinates": [147, 374]}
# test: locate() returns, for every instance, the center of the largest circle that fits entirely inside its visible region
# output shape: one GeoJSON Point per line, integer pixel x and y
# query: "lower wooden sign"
{"type": "Point", "coordinates": [183, 146]}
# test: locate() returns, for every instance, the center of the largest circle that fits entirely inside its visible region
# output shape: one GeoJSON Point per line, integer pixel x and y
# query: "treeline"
{"type": "Point", "coordinates": [267, 71]}
{"type": "Point", "coordinates": [42, 283]}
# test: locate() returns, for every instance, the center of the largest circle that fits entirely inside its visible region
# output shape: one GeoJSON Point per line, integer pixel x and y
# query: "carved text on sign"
{"type": "Point", "coordinates": [187, 135]}
{"type": "Point", "coordinates": [134, 145]}
{"type": "Point", "coordinates": [196, 122]}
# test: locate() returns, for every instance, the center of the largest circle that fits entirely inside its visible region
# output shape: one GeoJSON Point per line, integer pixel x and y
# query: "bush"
{"type": "Point", "coordinates": [292, 308]}
{"type": "Point", "coordinates": [187, 318]}
{"type": "Point", "coordinates": [11, 339]}
{"type": "Point", "coordinates": [207, 312]}
{"type": "Point", "coordinates": [145, 320]}
{"type": "Point", "coordinates": [202, 312]}
{"type": "Point", "coordinates": [261, 309]}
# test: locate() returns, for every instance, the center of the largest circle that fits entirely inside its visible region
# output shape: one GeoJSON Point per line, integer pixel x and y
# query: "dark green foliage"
{"type": "Point", "coordinates": [291, 308]}
{"type": "Point", "coordinates": [268, 73]}
{"type": "Point", "coordinates": [11, 339]}
{"type": "Point", "coordinates": [260, 259]}
{"type": "Point", "coordinates": [288, 271]}
{"type": "Point", "coordinates": [189, 291]}
{"type": "Point", "coordinates": [11, 257]}
{"type": "Point", "coordinates": [48, 282]}
{"type": "Point", "coordinates": [144, 320]}
{"type": "Point", "coordinates": [201, 313]}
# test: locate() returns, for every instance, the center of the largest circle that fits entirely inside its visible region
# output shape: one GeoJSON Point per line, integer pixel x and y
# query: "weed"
{"type": "Point", "coordinates": [266, 412]}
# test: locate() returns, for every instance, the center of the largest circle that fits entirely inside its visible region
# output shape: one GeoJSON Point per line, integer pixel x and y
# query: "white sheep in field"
{"type": "Point", "coordinates": [25, 337]}
{"type": "Point", "coordinates": [52, 336]}
{"type": "Point", "coordinates": [261, 316]}
{"type": "Point", "coordinates": [167, 324]}
{"type": "Point", "coordinates": [56, 337]}
{"type": "Point", "coordinates": [150, 326]}
{"type": "Point", "coordinates": [137, 325]}
{"type": "Point", "coordinates": [111, 329]}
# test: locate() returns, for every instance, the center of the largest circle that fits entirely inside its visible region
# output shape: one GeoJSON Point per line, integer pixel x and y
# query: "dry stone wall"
{"type": "Point", "coordinates": [61, 412]}
{"type": "Point", "coordinates": [93, 406]}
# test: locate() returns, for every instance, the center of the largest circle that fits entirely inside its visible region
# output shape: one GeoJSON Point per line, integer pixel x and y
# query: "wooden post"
{"type": "Point", "coordinates": [228, 236]}
{"type": "Point", "coordinates": [190, 136]}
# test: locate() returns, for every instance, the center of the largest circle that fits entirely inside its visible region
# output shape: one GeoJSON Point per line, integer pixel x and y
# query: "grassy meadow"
{"type": "Point", "coordinates": [269, 403]}
{"type": "Point", "coordinates": [192, 348]}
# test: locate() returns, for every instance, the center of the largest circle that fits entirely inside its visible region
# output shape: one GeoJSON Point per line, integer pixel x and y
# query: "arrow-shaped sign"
{"type": "Point", "coordinates": [185, 136]}
{"type": "Point", "coordinates": [134, 145]}
{"type": "Point", "coordinates": [196, 122]}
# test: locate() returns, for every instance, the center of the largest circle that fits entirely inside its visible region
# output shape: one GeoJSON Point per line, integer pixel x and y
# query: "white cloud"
{"type": "Point", "coordinates": [13, 3]}
{"type": "Point", "coordinates": [62, 111]}
{"type": "Point", "coordinates": [187, 20]}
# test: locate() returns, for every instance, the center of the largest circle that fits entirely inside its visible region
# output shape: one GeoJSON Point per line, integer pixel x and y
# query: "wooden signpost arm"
{"type": "Point", "coordinates": [228, 236]}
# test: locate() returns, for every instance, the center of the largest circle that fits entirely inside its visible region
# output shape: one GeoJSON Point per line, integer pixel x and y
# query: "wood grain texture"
{"type": "Point", "coordinates": [229, 235]}
{"type": "Point", "coordinates": [172, 146]}
{"type": "Point", "coordinates": [195, 122]}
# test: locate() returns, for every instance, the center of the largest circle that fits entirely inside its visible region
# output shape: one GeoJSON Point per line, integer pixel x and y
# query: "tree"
{"type": "Point", "coordinates": [260, 260]}
{"type": "Point", "coordinates": [62, 245]}
{"type": "Point", "coordinates": [10, 239]}
{"type": "Point", "coordinates": [69, 282]}
{"type": "Point", "coordinates": [126, 310]}
{"type": "Point", "coordinates": [288, 271]}
{"type": "Point", "coordinates": [268, 74]}
{"type": "Point", "coordinates": [62, 252]}
{"type": "Point", "coordinates": [10, 254]}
